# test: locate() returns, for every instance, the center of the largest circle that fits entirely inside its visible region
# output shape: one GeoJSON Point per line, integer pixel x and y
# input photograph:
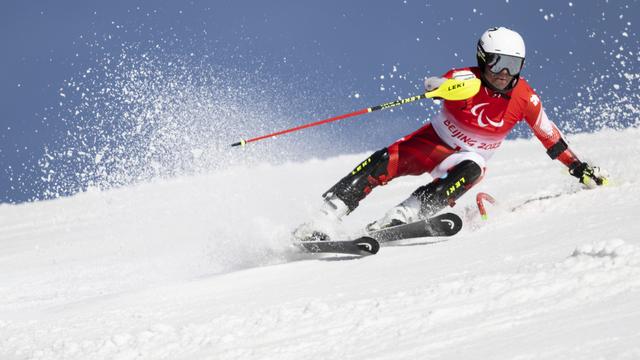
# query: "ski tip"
{"type": "Point", "coordinates": [368, 244]}
{"type": "Point", "coordinates": [447, 224]}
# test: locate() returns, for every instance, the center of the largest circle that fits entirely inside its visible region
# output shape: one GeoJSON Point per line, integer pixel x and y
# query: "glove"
{"type": "Point", "coordinates": [590, 176]}
{"type": "Point", "coordinates": [433, 83]}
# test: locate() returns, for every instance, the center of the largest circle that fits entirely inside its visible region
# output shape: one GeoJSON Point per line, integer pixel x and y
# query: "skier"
{"type": "Point", "coordinates": [455, 145]}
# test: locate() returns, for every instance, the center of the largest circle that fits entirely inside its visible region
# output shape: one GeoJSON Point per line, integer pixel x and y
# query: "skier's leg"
{"type": "Point", "coordinates": [358, 183]}
{"type": "Point", "coordinates": [449, 186]}
{"type": "Point", "coordinates": [414, 154]}
{"type": "Point", "coordinates": [454, 176]}
{"type": "Point", "coordinates": [344, 197]}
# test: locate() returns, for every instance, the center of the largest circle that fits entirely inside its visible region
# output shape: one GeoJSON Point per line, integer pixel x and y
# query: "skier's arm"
{"type": "Point", "coordinates": [551, 137]}
{"type": "Point", "coordinates": [557, 148]}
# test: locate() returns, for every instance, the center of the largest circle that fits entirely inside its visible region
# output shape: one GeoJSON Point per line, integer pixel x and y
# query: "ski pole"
{"type": "Point", "coordinates": [479, 201]}
{"type": "Point", "coordinates": [451, 89]}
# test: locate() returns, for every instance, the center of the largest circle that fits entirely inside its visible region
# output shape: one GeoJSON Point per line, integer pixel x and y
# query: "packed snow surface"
{"type": "Point", "coordinates": [202, 268]}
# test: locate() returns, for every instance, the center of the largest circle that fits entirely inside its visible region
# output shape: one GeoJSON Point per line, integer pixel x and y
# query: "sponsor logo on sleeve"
{"type": "Point", "coordinates": [535, 100]}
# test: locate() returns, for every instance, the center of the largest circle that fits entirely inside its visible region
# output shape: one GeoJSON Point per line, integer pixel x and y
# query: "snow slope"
{"type": "Point", "coordinates": [201, 268]}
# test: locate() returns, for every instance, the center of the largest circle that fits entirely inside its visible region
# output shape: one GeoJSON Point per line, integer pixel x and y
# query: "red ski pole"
{"type": "Point", "coordinates": [452, 89]}
{"type": "Point", "coordinates": [355, 113]}
{"type": "Point", "coordinates": [480, 198]}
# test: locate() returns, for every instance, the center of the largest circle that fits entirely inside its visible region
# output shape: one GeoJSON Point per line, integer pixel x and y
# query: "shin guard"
{"type": "Point", "coordinates": [356, 185]}
{"type": "Point", "coordinates": [441, 192]}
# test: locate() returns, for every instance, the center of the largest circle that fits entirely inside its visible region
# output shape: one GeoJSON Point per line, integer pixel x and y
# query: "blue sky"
{"type": "Point", "coordinates": [109, 93]}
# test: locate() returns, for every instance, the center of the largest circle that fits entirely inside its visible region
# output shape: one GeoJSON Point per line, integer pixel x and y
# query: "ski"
{"type": "Point", "coordinates": [361, 246]}
{"type": "Point", "coordinates": [447, 224]}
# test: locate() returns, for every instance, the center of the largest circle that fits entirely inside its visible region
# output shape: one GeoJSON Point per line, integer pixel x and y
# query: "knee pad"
{"type": "Point", "coordinates": [357, 184]}
{"type": "Point", "coordinates": [442, 169]}
{"type": "Point", "coordinates": [441, 192]}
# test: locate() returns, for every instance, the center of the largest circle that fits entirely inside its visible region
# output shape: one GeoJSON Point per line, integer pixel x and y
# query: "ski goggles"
{"type": "Point", "coordinates": [499, 62]}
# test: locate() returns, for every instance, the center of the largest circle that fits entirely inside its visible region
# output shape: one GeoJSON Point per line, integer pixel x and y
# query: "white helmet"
{"type": "Point", "coordinates": [501, 48]}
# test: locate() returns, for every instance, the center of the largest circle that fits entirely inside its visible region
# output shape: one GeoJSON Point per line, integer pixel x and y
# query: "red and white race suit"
{"type": "Point", "coordinates": [472, 129]}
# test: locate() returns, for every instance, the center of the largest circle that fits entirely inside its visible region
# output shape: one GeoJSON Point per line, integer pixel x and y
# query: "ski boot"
{"type": "Point", "coordinates": [344, 197]}
{"type": "Point", "coordinates": [324, 224]}
{"type": "Point", "coordinates": [406, 212]}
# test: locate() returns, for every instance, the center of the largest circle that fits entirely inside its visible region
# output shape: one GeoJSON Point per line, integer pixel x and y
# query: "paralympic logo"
{"type": "Point", "coordinates": [480, 116]}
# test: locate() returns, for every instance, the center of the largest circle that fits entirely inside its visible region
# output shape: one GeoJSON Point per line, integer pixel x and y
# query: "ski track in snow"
{"type": "Point", "coordinates": [201, 268]}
